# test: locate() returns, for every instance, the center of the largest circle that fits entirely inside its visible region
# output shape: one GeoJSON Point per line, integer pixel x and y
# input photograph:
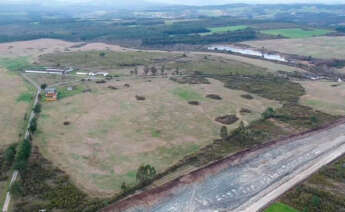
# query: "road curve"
{"type": "Point", "coordinates": [249, 182]}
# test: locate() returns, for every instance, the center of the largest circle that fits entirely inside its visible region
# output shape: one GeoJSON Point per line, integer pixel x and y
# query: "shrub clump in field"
{"type": "Point", "coordinates": [194, 103]}
{"type": "Point", "coordinates": [245, 110]}
{"type": "Point", "coordinates": [140, 98]}
{"type": "Point", "coordinates": [66, 123]}
{"type": "Point", "coordinates": [101, 81]}
{"type": "Point", "coordinates": [112, 87]}
{"type": "Point", "coordinates": [126, 85]}
{"type": "Point", "coordinates": [190, 80]}
{"type": "Point", "coordinates": [227, 119]}
{"type": "Point", "coordinates": [247, 96]}
{"type": "Point", "coordinates": [214, 96]}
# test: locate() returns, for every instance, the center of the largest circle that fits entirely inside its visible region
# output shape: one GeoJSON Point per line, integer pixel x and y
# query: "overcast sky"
{"type": "Point", "coordinates": [198, 2]}
{"type": "Point", "coordinates": [208, 2]}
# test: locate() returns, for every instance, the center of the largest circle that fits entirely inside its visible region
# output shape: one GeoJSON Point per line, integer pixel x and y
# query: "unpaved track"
{"type": "Point", "coordinates": [249, 182]}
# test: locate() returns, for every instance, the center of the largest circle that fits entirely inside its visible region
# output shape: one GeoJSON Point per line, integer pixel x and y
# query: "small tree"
{"type": "Point", "coordinates": [136, 70]}
{"type": "Point", "coordinates": [269, 113]}
{"type": "Point", "coordinates": [224, 132]}
{"type": "Point", "coordinates": [177, 71]}
{"type": "Point", "coordinates": [146, 70]}
{"type": "Point", "coordinates": [102, 54]}
{"type": "Point", "coordinates": [38, 108]}
{"type": "Point", "coordinates": [153, 70]}
{"type": "Point", "coordinates": [9, 154]}
{"type": "Point", "coordinates": [16, 189]}
{"type": "Point", "coordinates": [145, 173]}
{"type": "Point", "coordinates": [43, 86]}
{"type": "Point", "coordinates": [124, 187]}
{"type": "Point", "coordinates": [33, 125]}
{"type": "Point", "coordinates": [162, 70]}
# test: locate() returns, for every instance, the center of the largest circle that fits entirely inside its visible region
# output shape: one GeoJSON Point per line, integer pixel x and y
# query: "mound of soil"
{"type": "Point", "coordinates": [214, 96]}
{"type": "Point", "coordinates": [227, 119]}
{"type": "Point", "coordinates": [247, 96]}
{"type": "Point", "coordinates": [194, 103]}
{"type": "Point", "coordinates": [140, 98]}
{"type": "Point", "coordinates": [112, 87]}
{"type": "Point", "coordinates": [87, 90]}
{"type": "Point", "coordinates": [245, 110]}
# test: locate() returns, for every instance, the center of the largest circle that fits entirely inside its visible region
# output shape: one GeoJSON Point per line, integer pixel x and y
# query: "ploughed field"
{"type": "Point", "coordinates": [101, 137]}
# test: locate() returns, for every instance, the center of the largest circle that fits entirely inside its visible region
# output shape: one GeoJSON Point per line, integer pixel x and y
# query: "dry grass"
{"type": "Point", "coordinates": [319, 47]}
{"type": "Point", "coordinates": [111, 133]}
{"type": "Point", "coordinates": [323, 96]}
{"type": "Point", "coordinates": [14, 102]}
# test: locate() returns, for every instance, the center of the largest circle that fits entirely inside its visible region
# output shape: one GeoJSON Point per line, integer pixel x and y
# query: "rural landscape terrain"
{"type": "Point", "coordinates": [149, 106]}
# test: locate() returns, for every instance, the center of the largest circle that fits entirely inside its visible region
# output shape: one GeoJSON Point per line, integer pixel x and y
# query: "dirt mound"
{"type": "Point", "coordinates": [227, 119]}
{"type": "Point", "coordinates": [214, 96]}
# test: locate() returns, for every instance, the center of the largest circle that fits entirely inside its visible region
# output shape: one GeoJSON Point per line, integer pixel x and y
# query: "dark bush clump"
{"type": "Point", "coordinates": [227, 119]}
{"type": "Point", "coordinates": [194, 103]}
{"type": "Point", "coordinates": [247, 96]}
{"type": "Point", "coordinates": [214, 96]}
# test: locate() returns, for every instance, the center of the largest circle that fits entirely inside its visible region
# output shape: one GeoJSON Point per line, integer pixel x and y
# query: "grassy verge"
{"type": "Point", "coordinates": [280, 207]}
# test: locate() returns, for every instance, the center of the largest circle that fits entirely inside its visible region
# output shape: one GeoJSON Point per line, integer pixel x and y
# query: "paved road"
{"type": "Point", "coordinates": [258, 178]}
{"type": "Point", "coordinates": [27, 134]}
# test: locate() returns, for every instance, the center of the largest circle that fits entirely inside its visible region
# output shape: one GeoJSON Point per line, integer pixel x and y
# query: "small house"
{"type": "Point", "coordinates": [50, 94]}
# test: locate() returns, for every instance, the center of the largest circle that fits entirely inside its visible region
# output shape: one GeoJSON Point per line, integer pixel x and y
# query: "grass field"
{"type": "Point", "coordinates": [224, 29]}
{"type": "Point", "coordinates": [319, 47]}
{"type": "Point", "coordinates": [280, 207]}
{"type": "Point", "coordinates": [323, 96]}
{"type": "Point", "coordinates": [297, 32]}
{"type": "Point", "coordinates": [15, 100]}
{"type": "Point", "coordinates": [111, 133]}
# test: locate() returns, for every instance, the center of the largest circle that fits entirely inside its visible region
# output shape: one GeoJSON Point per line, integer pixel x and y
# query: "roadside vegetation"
{"type": "Point", "coordinates": [321, 192]}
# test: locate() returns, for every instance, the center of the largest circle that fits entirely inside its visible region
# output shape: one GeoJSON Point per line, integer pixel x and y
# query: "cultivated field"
{"type": "Point", "coordinates": [325, 96]}
{"type": "Point", "coordinates": [319, 47]}
{"type": "Point", "coordinates": [296, 32]}
{"type": "Point", "coordinates": [111, 133]}
{"type": "Point", "coordinates": [15, 100]}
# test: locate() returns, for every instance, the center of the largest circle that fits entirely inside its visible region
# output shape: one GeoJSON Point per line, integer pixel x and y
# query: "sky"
{"type": "Point", "coordinates": [208, 2]}
{"type": "Point", "coordinates": [199, 2]}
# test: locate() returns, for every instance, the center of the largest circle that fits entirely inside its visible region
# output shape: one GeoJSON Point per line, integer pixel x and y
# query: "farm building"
{"type": "Point", "coordinates": [48, 70]}
{"type": "Point", "coordinates": [50, 94]}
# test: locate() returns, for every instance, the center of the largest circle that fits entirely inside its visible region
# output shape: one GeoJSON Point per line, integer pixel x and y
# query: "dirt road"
{"type": "Point", "coordinates": [247, 183]}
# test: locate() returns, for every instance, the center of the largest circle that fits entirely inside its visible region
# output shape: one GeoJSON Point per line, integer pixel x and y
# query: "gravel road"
{"type": "Point", "coordinates": [258, 178]}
